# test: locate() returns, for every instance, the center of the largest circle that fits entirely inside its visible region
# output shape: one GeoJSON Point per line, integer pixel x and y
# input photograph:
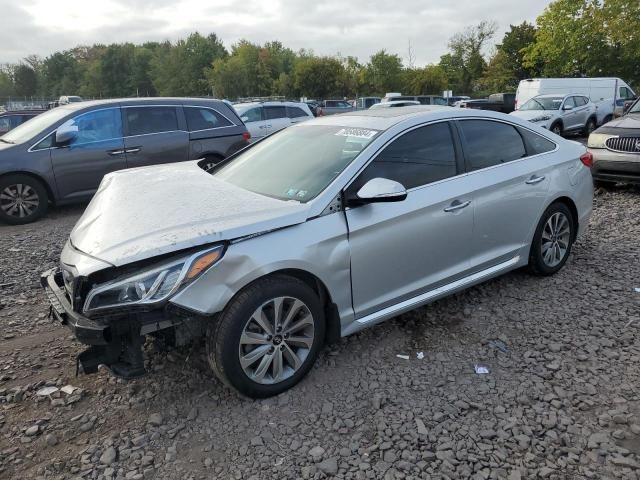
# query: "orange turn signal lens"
{"type": "Point", "coordinates": [202, 263]}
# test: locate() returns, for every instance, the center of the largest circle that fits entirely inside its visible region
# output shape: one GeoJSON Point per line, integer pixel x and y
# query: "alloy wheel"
{"type": "Point", "coordinates": [276, 340]}
{"type": "Point", "coordinates": [19, 200]}
{"type": "Point", "coordinates": [555, 239]}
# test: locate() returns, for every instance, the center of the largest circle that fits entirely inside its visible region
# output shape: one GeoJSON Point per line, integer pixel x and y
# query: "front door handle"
{"type": "Point", "coordinates": [133, 150]}
{"type": "Point", "coordinates": [535, 179]}
{"type": "Point", "coordinates": [115, 153]}
{"type": "Point", "coordinates": [457, 205]}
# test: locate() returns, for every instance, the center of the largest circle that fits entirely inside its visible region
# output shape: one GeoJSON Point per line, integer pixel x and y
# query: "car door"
{"type": "Point", "coordinates": [569, 114]}
{"type": "Point", "coordinates": [254, 120]}
{"type": "Point", "coordinates": [403, 249]}
{"type": "Point", "coordinates": [154, 135]}
{"type": "Point", "coordinates": [581, 110]}
{"type": "Point", "coordinates": [276, 118]}
{"type": "Point", "coordinates": [510, 183]}
{"type": "Point", "coordinates": [97, 149]}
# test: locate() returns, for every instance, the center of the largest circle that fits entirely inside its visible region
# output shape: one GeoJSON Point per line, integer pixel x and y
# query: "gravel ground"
{"type": "Point", "coordinates": [560, 400]}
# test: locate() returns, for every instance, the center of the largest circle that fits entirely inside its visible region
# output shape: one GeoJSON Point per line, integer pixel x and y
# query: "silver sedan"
{"type": "Point", "coordinates": [315, 232]}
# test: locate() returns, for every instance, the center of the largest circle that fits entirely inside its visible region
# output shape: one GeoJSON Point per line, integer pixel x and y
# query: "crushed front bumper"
{"type": "Point", "coordinates": [117, 346]}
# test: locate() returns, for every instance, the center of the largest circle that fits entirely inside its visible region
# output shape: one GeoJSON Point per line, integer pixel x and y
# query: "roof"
{"type": "Point", "coordinates": [552, 95]}
{"type": "Point", "coordinates": [24, 111]}
{"type": "Point", "coordinates": [268, 103]}
{"type": "Point", "coordinates": [139, 101]}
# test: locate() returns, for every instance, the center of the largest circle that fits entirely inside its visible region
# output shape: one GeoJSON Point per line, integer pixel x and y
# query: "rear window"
{"type": "Point", "coordinates": [491, 143]}
{"type": "Point", "coordinates": [271, 113]}
{"type": "Point", "coordinates": [296, 112]}
{"type": "Point", "coordinates": [202, 118]}
{"type": "Point", "coordinates": [536, 144]}
{"type": "Point", "coordinates": [145, 120]}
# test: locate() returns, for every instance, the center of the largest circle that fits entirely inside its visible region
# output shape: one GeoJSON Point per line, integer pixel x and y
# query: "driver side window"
{"type": "Point", "coordinates": [419, 157]}
{"type": "Point", "coordinates": [97, 126]}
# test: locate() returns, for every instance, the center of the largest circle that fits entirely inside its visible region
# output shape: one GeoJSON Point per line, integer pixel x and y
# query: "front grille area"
{"type": "Point", "coordinates": [623, 144]}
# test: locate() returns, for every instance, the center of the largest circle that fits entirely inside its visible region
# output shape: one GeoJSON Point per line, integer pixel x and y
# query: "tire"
{"type": "Point", "coordinates": [607, 119]}
{"type": "Point", "coordinates": [238, 335]}
{"type": "Point", "coordinates": [210, 161]}
{"type": "Point", "coordinates": [23, 199]}
{"type": "Point", "coordinates": [589, 127]}
{"type": "Point", "coordinates": [557, 128]}
{"type": "Point", "coordinates": [602, 184]}
{"type": "Point", "coordinates": [544, 259]}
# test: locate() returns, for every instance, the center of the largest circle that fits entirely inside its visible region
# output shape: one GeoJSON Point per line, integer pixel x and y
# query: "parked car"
{"type": "Point", "coordinates": [316, 232]}
{"type": "Point", "coordinates": [364, 103]}
{"type": "Point", "coordinates": [60, 156]}
{"type": "Point", "coordinates": [560, 113]}
{"type": "Point", "coordinates": [422, 99]}
{"type": "Point", "coordinates": [67, 99]}
{"type": "Point", "coordinates": [451, 101]}
{"type": "Point", "coordinates": [395, 103]}
{"type": "Point", "coordinates": [265, 118]}
{"type": "Point", "coordinates": [12, 118]}
{"type": "Point", "coordinates": [608, 94]}
{"type": "Point", "coordinates": [315, 108]}
{"type": "Point", "coordinates": [332, 107]}
{"type": "Point", "coordinates": [497, 102]}
{"type": "Point", "coordinates": [616, 149]}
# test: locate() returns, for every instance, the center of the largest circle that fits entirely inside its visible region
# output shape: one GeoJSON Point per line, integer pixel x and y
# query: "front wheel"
{"type": "Point", "coordinates": [268, 337]}
{"type": "Point", "coordinates": [557, 128]}
{"type": "Point", "coordinates": [589, 127]}
{"type": "Point", "coordinates": [23, 199]}
{"type": "Point", "coordinates": [552, 240]}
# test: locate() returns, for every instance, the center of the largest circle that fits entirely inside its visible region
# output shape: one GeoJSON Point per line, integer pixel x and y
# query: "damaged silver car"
{"type": "Point", "coordinates": [313, 233]}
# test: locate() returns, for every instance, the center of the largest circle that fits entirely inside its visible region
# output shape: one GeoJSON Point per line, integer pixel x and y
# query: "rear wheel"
{"type": "Point", "coordinates": [23, 199]}
{"type": "Point", "coordinates": [552, 240]}
{"type": "Point", "coordinates": [268, 337]}
{"type": "Point", "coordinates": [210, 161]}
{"type": "Point", "coordinates": [607, 119]}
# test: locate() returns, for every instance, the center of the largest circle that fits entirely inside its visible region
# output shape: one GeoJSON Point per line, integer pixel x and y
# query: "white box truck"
{"type": "Point", "coordinates": [608, 94]}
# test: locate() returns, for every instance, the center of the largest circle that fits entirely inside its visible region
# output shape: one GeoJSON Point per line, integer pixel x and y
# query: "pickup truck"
{"type": "Point", "coordinates": [497, 102]}
{"type": "Point", "coordinates": [331, 107]}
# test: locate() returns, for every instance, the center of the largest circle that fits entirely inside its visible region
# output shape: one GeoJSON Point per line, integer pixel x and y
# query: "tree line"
{"type": "Point", "coordinates": [570, 38]}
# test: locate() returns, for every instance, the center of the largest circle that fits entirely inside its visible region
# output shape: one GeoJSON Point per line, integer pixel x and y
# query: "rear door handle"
{"type": "Point", "coordinates": [533, 180]}
{"type": "Point", "coordinates": [115, 153]}
{"type": "Point", "coordinates": [133, 150]}
{"type": "Point", "coordinates": [457, 205]}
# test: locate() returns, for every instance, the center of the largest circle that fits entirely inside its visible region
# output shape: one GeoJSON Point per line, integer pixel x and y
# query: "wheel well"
{"type": "Point", "coordinates": [556, 122]}
{"type": "Point", "coordinates": [333, 330]}
{"type": "Point", "coordinates": [572, 208]}
{"type": "Point", "coordinates": [594, 118]}
{"type": "Point", "coordinates": [46, 185]}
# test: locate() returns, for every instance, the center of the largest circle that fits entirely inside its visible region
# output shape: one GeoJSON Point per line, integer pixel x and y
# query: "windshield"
{"type": "Point", "coordinates": [543, 103]}
{"type": "Point", "coordinates": [36, 125]}
{"type": "Point", "coordinates": [296, 163]}
{"type": "Point", "coordinates": [635, 108]}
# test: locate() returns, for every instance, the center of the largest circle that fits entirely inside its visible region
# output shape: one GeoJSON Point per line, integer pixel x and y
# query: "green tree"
{"type": "Point", "coordinates": [429, 80]}
{"type": "Point", "coordinates": [511, 50]}
{"type": "Point", "coordinates": [25, 81]}
{"type": "Point", "coordinates": [383, 73]}
{"type": "Point", "coordinates": [318, 77]}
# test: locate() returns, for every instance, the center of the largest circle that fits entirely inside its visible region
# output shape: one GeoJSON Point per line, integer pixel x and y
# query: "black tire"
{"type": "Point", "coordinates": [33, 203]}
{"type": "Point", "coordinates": [607, 119]}
{"type": "Point", "coordinates": [589, 127]}
{"type": "Point", "coordinates": [557, 128]}
{"type": "Point", "coordinates": [537, 263]}
{"type": "Point", "coordinates": [224, 337]}
{"type": "Point", "coordinates": [210, 161]}
{"type": "Point", "coordinates": [602, 184]}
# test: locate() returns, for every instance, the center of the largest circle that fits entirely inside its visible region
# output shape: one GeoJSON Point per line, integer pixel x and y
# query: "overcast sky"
{"type": "Point", "coordinates": [328, 27]}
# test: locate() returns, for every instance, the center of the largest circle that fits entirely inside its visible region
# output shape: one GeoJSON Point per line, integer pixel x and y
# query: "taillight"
{"type": "Point", "coordinates": [246, 136]}
{"type": "Point", "coordinates": [587, 159]}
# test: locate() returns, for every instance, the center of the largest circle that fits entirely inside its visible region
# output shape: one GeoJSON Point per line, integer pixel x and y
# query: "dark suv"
{"type": "Point", "coordinates": [11, 119]}
{"type": "Point", "coordinates": [61, 156]}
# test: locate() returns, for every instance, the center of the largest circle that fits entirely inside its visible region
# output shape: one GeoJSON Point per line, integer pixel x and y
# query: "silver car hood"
{"type": "Point", "coordinates": [529, 114]}
{"type": "Point", "coordinates": [145, 212]}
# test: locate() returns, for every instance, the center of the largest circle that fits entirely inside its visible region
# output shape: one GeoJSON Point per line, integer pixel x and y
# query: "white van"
{"type": "Point", "coordinates": [608, 94]}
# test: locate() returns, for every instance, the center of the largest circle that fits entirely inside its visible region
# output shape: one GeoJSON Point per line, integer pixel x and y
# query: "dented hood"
{"type": "Point", "coordinates": [145, 212]}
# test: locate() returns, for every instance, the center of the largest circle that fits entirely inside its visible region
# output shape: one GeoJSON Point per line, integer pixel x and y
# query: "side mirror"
{"type": "Point", "coordinates": [567, 107]}
{"type": "Point", "coordinates": [379, 190]}
{"type": "Point", "coordinates": [66, 133]}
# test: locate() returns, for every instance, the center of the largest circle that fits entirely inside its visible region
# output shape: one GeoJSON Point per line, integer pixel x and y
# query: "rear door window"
{"type": "Point", "coordinates": [146, 120]}
{"type": "Point", "coordinates": [295, 112]}
{"type": "Point", "coordinates": [419, 157]}
{"type": "Point", "coordinates": [536, 144]}
{"type": "Point", "coordinates": [271, 113]}
{"type": "Point", "coordinates": [202, 118]}
{"type": "Point", "coordinates": [490, 143]}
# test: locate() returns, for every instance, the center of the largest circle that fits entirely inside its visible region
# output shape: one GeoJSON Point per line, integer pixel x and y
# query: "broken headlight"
{"type": "Point", "coordinates": [151, 286]}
